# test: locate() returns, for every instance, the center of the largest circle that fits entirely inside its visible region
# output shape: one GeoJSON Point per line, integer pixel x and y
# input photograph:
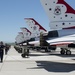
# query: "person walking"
{"type": "Point", "coordinates": [1, 51]}
{"type": "Point", "coordinates": [6, 48]}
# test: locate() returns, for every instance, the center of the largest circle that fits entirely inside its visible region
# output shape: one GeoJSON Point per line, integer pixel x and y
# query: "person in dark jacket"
{"type": "Point", "coordinates": [1, 50]}
{"type": "Point", "coordinates": [6, 48]}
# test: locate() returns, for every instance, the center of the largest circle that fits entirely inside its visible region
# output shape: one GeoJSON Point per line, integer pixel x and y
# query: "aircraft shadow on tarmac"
{"type": "Point", "coordinates": [54, 66]}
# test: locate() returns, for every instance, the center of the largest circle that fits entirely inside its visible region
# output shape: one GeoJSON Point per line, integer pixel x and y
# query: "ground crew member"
{"type": "Point", "coordinates": [1, 51]}
{"type": "Point", "coordinates": [6, 48]}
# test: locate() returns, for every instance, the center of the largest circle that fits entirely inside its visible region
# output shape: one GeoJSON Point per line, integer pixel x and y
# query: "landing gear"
{"type": "Point", "coordinates": [62, 51]}
{"type": "Point", "coordinates": [25, 55]}
{"type": "Point", "coordinates": [68, 52]}
{"type": "Point", "coordinates": [65, 51]}
{"type": "Point", "coordinates": [46, 50]}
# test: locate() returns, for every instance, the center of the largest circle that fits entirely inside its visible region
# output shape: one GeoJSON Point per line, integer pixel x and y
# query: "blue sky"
{"type": "Point", "coordinates": [13, 12]}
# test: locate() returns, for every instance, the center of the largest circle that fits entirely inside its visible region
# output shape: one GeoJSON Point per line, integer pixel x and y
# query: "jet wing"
{"type": "Point", "coordinates": [62, 40]}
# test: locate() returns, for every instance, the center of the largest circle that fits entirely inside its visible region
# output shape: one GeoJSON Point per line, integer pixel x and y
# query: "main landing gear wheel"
{"type": "Point", "coordinates": [62, 51]}
{"type": "Point", "coordinates": [65, 51]}
{"type": "Point", "coordinates": [68, 52]}
{"type": "Point", "coordinates": [46, 50]}
{"type": "Point", "coordinates": [23, 55]}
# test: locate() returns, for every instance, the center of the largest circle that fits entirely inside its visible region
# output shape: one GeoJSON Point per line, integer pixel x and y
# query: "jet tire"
{"type": "Point", "coordinates": [62, 51]}
{"type": "Point", "coordinates": [68, 52]}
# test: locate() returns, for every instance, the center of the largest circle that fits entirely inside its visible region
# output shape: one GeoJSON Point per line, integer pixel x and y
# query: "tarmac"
{"type": "Point", "coordinates": [42, 63]}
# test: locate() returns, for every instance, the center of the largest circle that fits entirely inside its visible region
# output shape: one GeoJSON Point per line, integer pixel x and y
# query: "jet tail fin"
{"type": "Point", "coordinates": [60, 13]}
{"type": "Point", "coordinates": [19, 38]}
{"type": "Point", "coordinates": [34, 26]}
{"type": "Point", "coordinates": [26, 32]}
